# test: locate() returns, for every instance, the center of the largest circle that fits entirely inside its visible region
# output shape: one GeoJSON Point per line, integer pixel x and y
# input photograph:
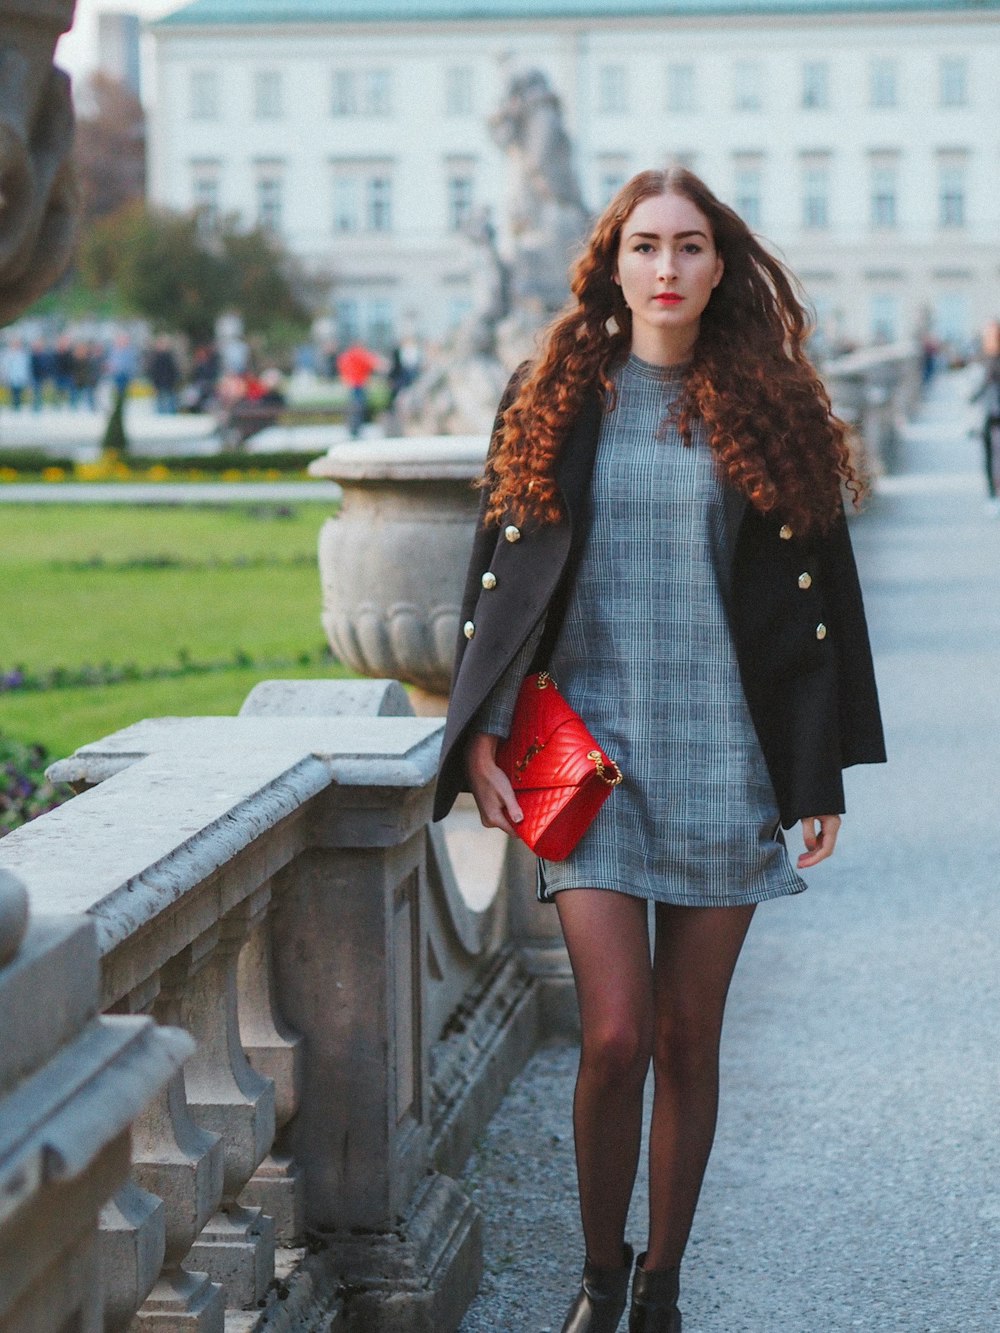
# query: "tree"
{"type": "Point", "coordinates": [160, 268]}
{"type": "Point", "coordinates": [110, 147]}
{"type": "Point", "coordinates": [164, 266]}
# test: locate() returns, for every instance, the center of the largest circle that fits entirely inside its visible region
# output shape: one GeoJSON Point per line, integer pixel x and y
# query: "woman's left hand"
{"type": "Point", "coordinates": [819, 842]}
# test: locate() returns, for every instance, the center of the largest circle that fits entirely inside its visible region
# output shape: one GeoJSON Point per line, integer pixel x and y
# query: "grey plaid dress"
{"type": "Point", "coordinates": [646, 657]}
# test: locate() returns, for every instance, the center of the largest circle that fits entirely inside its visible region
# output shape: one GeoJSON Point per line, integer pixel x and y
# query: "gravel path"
{"type": "Point", "coordinates": [855, 1182]}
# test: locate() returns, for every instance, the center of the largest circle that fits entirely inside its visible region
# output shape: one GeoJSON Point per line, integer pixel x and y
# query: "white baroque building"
{"type": "Point", "coordinates": [861, 138]}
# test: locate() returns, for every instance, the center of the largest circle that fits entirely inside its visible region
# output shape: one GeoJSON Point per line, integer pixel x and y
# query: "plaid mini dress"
{"type": "Point", "coordinates": [645, 655]}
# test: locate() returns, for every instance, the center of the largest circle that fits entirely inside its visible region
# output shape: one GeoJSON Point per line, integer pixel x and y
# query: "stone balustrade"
{"type": "Point", "coordinates": [72, 1082]}
{"type": "Point", "coordinates": [360, 987]}
{"type": "Point", "coordinates": [874, 390]}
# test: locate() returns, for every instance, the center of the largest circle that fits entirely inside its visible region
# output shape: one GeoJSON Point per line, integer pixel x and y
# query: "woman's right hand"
{"type": "Point", "coordinates": [498, 807]}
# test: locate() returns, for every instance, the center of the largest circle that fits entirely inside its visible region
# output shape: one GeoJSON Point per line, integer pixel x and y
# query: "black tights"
{"type": "Point", "coordinates": [633, 1010]}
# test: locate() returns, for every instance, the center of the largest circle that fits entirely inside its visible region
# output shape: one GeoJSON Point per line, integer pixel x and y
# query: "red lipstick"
{"type": "Point", "coordinates": [668, 298]}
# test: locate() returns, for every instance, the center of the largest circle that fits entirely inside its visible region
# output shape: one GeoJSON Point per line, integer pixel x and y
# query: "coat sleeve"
{"type": "Point", "coordinates": [496, 713]}
{"type": "Point", "coordinates": [861, 736]}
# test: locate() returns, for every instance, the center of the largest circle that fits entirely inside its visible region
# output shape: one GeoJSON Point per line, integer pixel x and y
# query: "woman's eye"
{"type": "Point", "coordinates": [692, 248]}
{"type": "Point", "coordinates": [643, 248]}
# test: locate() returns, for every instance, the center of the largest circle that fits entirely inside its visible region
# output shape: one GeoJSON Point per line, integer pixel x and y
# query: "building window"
{"type": "Point", "coordinates": [612, 173]}
{"type": "Point", "coordinates": [951, 194]}
{"type": "Point", "coordinates": [267, 95]}
{"type": "Point", "coordinates": [953, 76]}
{"type": "Point", "coordinates": [612, 90]}
{"type": "Point", "coordinates": [885, 187]}
{"type": "Point", "coordinates": [680, 88]}
{"type": "Point", "coordinates": [344, 98]}
{"type": "Point", "coordinates": [748, 83]}
{"type": "Point", "coordinates": [378, 203]}
{"type": "Point", "coordinates": [204, 94]}
{"type": "Point", "coordinates": [205, 196]}
{"type": "Point", "coordinates": [459, 309]}
{"type": "Point", "coordinates": [748, 192]}
{"type": "Point", "coordinates": [458, 97]}
{"type": "Point", "coordinates": [348, 319]}
{"type": "Point", "coordinates": [815, 195]}
{"type": "Point", "coordinates": [884, 317]}
{"type": "Point", "coordinates": [361, 92]}
{"type": "Point", "coordinates": [460, 197]}
{"type": "Point", "coordinates": [378, 92]}
{"type": "Point", "coordinates": [952, 322]}
{"type": "Point", "coordinates": [816, 85]}
{"type": "Point", "coordinates": [370, 320]}
{"type": "Point", "coordinates": [883, 87]}
{"type": "Point", "coordinates": [269, 201]}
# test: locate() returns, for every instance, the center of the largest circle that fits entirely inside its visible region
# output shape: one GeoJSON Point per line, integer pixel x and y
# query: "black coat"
{"type": "Point", "coordinates": [794, 606]}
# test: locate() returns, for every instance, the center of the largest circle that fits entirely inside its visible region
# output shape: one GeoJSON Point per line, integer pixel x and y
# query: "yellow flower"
{"type": "Point", "coordinates": [158, 473]}
{"type": "Point", "coordinates": [8, 474]}
{"type": "Point", "coordinates": [232, 474]}
{"type": "Point", "coordinates": [53, 474]}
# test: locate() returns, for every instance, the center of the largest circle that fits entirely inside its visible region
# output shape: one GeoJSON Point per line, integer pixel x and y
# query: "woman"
{"type": "Point", "coordinates": [661, 526]}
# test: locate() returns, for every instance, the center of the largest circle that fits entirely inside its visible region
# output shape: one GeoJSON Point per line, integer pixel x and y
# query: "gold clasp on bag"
{"type": "Point", "coordinates": [533, 749]}
{"type": "Point", "coordinates": [598, 761]}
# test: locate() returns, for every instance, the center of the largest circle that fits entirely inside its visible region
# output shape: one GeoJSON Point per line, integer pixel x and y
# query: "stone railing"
{"type": "Point", "coordinates": [360, 987]}
{"type": "Point", "coordinates": [874, 390]}
{"type": "Point", "coordinates": [71, 1085]}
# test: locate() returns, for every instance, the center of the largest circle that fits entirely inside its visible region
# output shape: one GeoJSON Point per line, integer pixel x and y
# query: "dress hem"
{"type": "Point", "coordinates": [703, 900]}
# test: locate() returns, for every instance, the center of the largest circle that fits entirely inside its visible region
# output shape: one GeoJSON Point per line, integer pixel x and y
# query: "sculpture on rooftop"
{"type": "Point", "coordinates": [38, 198]}
{"type": "Point", "coordinates": [515, 287]}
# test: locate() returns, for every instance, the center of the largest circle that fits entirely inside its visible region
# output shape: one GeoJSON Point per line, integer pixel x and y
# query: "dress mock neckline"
{"type": "Point", "coordinates": [647, 371]}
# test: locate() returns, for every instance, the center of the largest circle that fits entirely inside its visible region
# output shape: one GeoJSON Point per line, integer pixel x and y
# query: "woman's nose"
{"type": "Point", "coordinates": [667, 268]}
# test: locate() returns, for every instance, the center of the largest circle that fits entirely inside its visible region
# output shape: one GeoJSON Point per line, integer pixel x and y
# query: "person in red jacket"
{"type": "Point", "coordinates": [355, 366]}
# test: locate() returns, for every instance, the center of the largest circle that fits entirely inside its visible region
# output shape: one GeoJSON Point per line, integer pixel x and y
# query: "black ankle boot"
{"type": "Point", "coordinates": [654, 1300]}
{"type": "Point", "coordinates": [601, 1299]}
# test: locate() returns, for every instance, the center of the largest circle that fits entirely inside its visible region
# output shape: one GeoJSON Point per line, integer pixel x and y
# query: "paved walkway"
{"type": "Point", "coordinates": [855, 1182]}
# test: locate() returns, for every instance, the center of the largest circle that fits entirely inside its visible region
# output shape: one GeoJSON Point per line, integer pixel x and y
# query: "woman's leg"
{"type": "Point", "coordinates": [695, 956]}
{"type": "Point", "coordinates": [608, 942]}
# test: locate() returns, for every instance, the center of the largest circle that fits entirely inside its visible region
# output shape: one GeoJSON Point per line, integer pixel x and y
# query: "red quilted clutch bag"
{"type": "Point", "coordinates": [560, 775]}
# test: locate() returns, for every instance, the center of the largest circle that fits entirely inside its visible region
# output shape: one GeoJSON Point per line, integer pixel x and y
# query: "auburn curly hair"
{"type": "Point", "coordinates": [766, 414]}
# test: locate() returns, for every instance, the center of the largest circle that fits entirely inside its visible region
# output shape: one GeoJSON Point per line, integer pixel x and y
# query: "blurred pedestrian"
{"type": "Point", "coordinates": [164, 373]}
{"type": "Point", "coordinates": [87, 365]}
{"type": "Point", "coordinates": [122, 363]}
{"type": "Point", "coordinates": [989, 392]}
{"type": "Point", "coordinates": [15, 370]}
{"type": "Point", "coordinates": [355, 366]}
{"type": "Point", "coordinates": [62, 369]}
{"type": "Point", "coordinates": [43, 371]}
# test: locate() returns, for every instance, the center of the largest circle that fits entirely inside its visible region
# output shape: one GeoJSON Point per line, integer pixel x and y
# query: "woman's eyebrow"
{"type": "Point", "coordinates": [655, 235]}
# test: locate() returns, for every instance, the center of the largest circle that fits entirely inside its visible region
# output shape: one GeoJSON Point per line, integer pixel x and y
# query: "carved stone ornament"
{"type": "Point", "coordinates": [38, 195]}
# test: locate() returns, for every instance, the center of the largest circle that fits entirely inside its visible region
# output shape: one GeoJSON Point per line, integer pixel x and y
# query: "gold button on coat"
{"type": "Point", "coordinates": [821, 631]}
{"type": "Point", "coordinates": [785, 533]}
{"type": "Point", "coordinates": [805, 580]}
{"type": "Point", "coordinates": [489, 580]}
{"type": "Point", "coordinates": [512, 534]}
{"type": "Point", "coordinates": [469, 629]}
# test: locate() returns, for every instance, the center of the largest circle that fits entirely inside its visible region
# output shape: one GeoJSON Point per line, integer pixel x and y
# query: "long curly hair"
{"type": "Point", "coordinates": [765, 411]}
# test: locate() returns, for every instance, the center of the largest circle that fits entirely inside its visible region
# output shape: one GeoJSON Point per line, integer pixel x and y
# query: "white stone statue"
{"type": "Point", "coordinates": [513, 294]}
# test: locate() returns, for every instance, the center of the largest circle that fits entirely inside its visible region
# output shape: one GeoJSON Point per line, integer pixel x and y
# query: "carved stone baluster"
{"type": "Point", "coordinates": [227, 1097]}
{"type": "Point", "coordinates": [182, 1164]}
{"type": "Point", "coordinates": [275, 1052]}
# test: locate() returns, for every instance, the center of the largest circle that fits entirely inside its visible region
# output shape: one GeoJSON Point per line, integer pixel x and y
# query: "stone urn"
{"type": "Point", "coordinates": [393, 561]}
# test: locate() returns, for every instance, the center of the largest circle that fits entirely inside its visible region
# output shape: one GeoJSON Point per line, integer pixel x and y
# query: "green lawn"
{"type": "Point", "coordinates": [94, 585]}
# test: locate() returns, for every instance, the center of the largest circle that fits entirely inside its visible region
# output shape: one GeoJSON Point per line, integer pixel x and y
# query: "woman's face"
{"type": "Point", "coordinates": [667, 268]}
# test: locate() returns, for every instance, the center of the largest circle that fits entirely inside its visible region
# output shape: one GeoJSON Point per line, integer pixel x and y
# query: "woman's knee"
{"type": "Point", "coordinates": [686, 1047]}
{"type": "Point", "coordinates": [616, 1054]}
